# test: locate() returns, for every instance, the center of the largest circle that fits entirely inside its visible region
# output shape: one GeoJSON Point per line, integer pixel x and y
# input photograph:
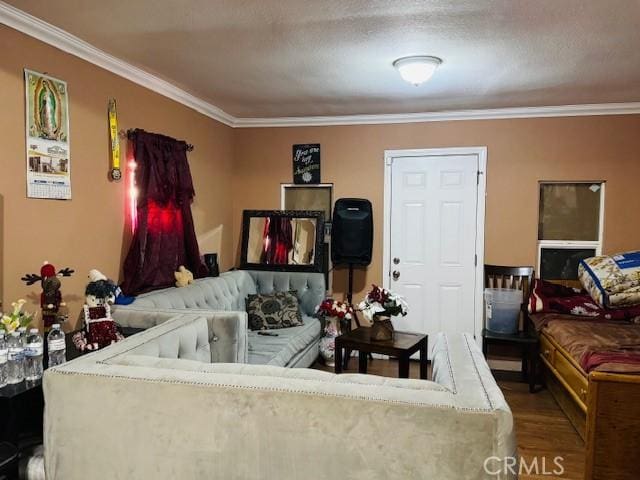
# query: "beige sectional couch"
{"type": "Point", "coordinates": [154, 406]}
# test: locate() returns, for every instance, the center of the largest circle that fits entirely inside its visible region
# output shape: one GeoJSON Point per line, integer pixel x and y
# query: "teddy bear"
{"type": "Point", "coordinates": [183, 277]}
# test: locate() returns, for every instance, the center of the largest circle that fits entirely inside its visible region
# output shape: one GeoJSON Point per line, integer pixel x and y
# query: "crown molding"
{"type": "Point", "coordinates": [58, 38]}
{"type": "Point", "coordinates": [62, 40]}
{"type": "Point", "coordinates": [453, 115]}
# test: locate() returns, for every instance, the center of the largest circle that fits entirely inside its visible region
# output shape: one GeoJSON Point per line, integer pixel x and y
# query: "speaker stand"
{"type": "Point", "coordinates": [350, 294]}
{"type": "Point", "coordinates": [347, 351]}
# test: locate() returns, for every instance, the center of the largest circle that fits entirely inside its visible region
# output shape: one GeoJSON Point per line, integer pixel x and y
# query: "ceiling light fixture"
{"type": "Point", "coordinates": [417, 69]}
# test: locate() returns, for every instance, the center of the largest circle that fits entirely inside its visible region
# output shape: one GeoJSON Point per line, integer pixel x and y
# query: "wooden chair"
{"type": "Point", "coordinates": [518, 278]}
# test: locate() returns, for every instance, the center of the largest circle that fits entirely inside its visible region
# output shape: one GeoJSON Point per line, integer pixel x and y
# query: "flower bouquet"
{"type": "Point", "coordinates": [335, 308]}
{"type": "Point", "coordinates": [378, 306]}
{"type": "Point", "coordinates": [17, 318]}
{"type": "Point", "coordinates": [332, 312]}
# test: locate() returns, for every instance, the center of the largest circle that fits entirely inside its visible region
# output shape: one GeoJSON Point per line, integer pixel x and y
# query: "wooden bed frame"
{"type": "Point", "coordinates": [603, 407]}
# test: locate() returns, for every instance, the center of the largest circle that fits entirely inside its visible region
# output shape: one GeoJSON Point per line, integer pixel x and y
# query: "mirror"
{"type": "Point", "coordinates": [286, 240]}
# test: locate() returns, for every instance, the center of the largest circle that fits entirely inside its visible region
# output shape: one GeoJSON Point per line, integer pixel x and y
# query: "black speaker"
{"type": "Point", "coordinates": [352, 232]}
{"type": "Point", "coordinates": [211, 261]}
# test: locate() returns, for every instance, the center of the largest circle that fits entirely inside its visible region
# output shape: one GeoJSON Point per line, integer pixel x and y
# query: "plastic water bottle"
{"type": "Point", "coordinates": [23, 342]}
{"type": "Point", "coordinates": [15, 360]}
{"type": "Point", "coordinates": [4, 354]}
{"type": "Point", "coordinates": [33, 355]}
{"type": "Point", "coordinates": [56, 346]}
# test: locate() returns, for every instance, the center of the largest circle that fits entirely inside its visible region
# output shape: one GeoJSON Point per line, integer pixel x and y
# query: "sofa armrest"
{"type": "Point", "coordinates": [229, 327]}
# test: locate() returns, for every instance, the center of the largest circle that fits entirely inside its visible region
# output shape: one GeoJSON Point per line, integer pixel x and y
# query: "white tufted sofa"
{"type": "Point", "coordinates": [154, 407]}
{"type": "Point", "coordinates": [292, 347]}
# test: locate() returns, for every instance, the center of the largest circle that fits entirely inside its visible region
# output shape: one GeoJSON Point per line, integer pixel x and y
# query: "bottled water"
{"type": "Point", "coordinates": [15, 359]}
{"type": "Point", "coordinates": [4, 354]}
{"type": "Point", "coordinates": [23, 342]}
{"type": "Point", "coordinates": [56, 346]}
{"type": "Point", "coordinates": [33, 355]}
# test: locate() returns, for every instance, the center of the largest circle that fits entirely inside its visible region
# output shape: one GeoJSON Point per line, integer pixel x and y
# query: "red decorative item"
{"type": "Point", "coordinates": [165, 236]}
{"type": "Point", "coordinates": [102, 333]}
{"type": "Point", "coordinates": [335, 308]}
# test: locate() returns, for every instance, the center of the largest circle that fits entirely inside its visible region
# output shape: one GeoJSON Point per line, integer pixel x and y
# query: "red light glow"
{"type": "Point", "coordinates": [163, 218]}
{"type": "Point", "coordinates": [132, 190]}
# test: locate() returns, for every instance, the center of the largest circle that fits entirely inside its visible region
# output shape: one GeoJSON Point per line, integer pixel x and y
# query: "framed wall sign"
{"type": "Point", "coordinates": [306, 164]}
{"type": "Point", "coordinates": [47, 137]}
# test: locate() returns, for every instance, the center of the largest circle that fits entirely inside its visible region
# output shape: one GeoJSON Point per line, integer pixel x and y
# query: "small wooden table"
{"type": "Point", "coordinates": [402, 345]}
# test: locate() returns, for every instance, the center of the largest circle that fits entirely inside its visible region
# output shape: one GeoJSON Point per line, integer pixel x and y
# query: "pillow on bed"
{"type": "Point", "coordinates": [613, 281]}
{"type": "Point", "coordinates": [547, 297]}
{"type": "Point", "coordinates": [277, 310]}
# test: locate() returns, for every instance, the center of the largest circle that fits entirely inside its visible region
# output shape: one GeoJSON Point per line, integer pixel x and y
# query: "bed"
{"type": "Point", "coordinates": [592, 368]}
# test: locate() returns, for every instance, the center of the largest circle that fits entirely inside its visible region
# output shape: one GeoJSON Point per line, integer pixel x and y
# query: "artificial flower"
{"type": "Point", "coordinates": [17, 318]}
{"type": "Point", "coordinates": [380, 301]}
{"type": "Point", "coordinates": [335, 308]}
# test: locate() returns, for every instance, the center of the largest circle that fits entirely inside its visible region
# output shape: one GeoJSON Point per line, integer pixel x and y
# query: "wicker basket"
{"type": "Point", "coordinates": [382, 328]}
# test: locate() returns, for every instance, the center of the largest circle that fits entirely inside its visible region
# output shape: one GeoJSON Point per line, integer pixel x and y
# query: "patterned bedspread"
{"type": "Point", "coordinates": [598, 346]}
{"type": "Point", "coordinates": [601, 339]}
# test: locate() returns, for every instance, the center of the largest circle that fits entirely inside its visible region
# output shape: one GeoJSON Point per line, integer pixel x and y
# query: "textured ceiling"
{"type": "Point", "coordinates": [274, 58]}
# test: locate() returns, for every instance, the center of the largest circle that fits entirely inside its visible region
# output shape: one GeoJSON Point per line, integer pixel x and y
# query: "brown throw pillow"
{"type": "Point", "coordinates": [278, 310]}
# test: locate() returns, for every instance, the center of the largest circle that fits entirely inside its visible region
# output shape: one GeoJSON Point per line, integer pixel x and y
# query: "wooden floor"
{"type": "Point", "coordinates": [542, 429]}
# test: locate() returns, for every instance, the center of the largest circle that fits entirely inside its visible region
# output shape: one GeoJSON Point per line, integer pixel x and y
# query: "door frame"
{"type": "Point", "coordinates": [481, 152]}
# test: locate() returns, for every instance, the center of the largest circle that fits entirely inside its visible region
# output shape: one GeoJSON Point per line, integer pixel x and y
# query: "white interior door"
{"type": "Point", "coordinates": [432, 228]}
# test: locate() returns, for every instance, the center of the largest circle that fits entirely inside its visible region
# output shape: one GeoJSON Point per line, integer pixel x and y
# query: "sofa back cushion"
{"type": "Point", "coordinates": [189, 341]}
{"type": "Point", "coordinates": [310, 287]}
{"type": "Point", "coordinates": [229, 291]}
{"type": "Point", "coordinates": [226, 292]}
{"type": "Point", "coordinates": [200, 335]}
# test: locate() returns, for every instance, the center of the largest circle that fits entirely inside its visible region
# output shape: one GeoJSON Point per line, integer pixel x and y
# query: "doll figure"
{"type": "Point", "coordinates": [99, 328]}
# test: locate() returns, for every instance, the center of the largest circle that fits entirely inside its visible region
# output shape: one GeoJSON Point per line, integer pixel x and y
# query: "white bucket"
{"type": "Point", "coordinates": [502, 309]}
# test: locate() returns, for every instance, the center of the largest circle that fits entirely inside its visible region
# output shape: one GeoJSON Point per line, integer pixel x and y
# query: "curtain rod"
{"type": "Point", "coordinates": [127, 134]}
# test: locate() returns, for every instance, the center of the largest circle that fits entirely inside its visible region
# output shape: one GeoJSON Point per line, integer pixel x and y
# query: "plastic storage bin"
{"type": "Point", "coordinates": [502, 309]}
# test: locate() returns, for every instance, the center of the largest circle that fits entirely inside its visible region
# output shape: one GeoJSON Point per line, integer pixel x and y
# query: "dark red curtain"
{"type": "Point", "coordinates": [165, 237]}
{"type": "Point", "coordinates": [277, 241]}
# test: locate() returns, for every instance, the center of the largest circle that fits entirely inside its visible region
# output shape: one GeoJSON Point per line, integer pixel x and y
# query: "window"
{"type": "Point", "coordinates": [307, 197]}
{"type": "Point", "coordinates": [569, 227]}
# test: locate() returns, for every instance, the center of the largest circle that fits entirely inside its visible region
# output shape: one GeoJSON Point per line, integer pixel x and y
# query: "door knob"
{"type": "Point", "coordinates": [396, 260]}
{"type": "Point", "coordinates": [396, 274]}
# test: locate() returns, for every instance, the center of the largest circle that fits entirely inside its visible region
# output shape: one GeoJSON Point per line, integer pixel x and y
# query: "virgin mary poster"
{"type": "Point", "coordinates": [48, 160]}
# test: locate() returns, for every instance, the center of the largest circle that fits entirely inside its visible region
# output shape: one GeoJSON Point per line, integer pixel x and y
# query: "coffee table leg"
{"type": "Point", "coordinates": [347, 356]}
{"type": "Point", "coordinates": [338, 358]}
{"type": "Point", "coordinates": [403, 366]}
{"type": "Point", "coordinates": [423, 360]}
{"type": "Point", "coordinates": [362, 361]}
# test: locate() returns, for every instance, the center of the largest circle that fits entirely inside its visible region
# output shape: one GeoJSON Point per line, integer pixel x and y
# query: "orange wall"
{"type": "Point", "coordinates": [520, 153]}
{"type": "Point", "coordinates": [239, 169]}
{"type": "Point", "coordinates": [88, 231]}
